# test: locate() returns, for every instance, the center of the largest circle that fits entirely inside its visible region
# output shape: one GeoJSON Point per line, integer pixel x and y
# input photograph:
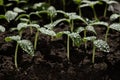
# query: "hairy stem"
{"type": "Point", "coordinates": [85, 40]}
{"type": "Point", "coordinates": [80, 13]}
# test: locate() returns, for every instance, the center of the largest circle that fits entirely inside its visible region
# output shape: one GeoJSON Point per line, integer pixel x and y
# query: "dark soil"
{"type": "Point", "coordinates": [50, 61]}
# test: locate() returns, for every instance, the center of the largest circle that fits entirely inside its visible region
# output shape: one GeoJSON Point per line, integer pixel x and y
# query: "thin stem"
{"type": "Point", "coordinates": [36, 39]}
{"type": "Point", "coordinates": [93, 55]}
{"type": "Point", "coordinates": [68, 46]}
{"type": "Point", "coordinates": [15, 59]}
{"type": "Point", "coordinates": [85, 37]}
{"type": "Point", "coordinates": [71, 25]}
{"type": "Point", "coordinates": [80, 13]}
{"type": "Point", "coordinates": [51, 19]}
{"type": "Point", "coordinates": [105, 11]}
{"type": "Point", "coordinates": [106, 35]}
{"type": "Point", "coordinates": [95, 15]}
{"type": "Point", "coordinates": [63, 4]}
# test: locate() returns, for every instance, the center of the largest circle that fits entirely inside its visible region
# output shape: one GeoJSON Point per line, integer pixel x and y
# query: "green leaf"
{"type": "Point", "coordinates": [10, 15]}
{"type": "Point", "coordinates": [12, 38]}
{"type": "Point", "coordinates": [114, 17]}
{"type": "Point", "coordinates": [27, 46]}
{"type": "Point", "coordinates": [100, 23]}
{"type": "Point", "coordinates": [102, 45]}
{"type": "Point", "coordinates": [115, 26]}
{"type": "Point", "coordinates": [80, 29]}
{"type": "Point", "coordinates": [77, 1]}
{"type": "Point", "coordinates": [112, 2]}
{"type": "Point", "coordinates": [52, 11]}
{"type": "Point", "coordinates": [18, 10]}
{"type": "Point", "coordinates": [59, 34]}
{"type": "Point", "coordinates": [47, 31]}
{"type": "Point", "coordinates": [21, 16]}
{"type": "Point", "coordinates": [34, 25]}
{"type": "Point", "coordinates": [91, 38]}
{"type": "Point", "coordinates": [77, 40]}
{"type": "Point", "coordinates": [55, 23]}
{"type": "Point", "coordinates": [2, 29]}
{"type": "Point", "coordinates": [3, 17]}
{"type": "Point", "coordinates": [2, 2]}
{"type": "Point", "coordinates": [91, 28]}
{"type": "Point", "coordinates": [40, 6]}
{"type": "Point", "coordinates": [21, 26]}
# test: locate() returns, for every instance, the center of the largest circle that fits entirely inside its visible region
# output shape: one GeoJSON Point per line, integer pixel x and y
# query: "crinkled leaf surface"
{"type": "Point", "coordinates": [114, 17]}
{"type": "Point", "coordinates": [76, 38]}
{"type": "Point", "coordinates": [80, 29]}
{"type": "Point", "coordinates": [47, 31]}
{"type": "Point", "coordinates": [34, 25]}
{"type": "Point", "coordinates": [91, 28]}
{"type": "Point", "coordinates": [20, 26]}
{"type": "Point", "coordinates": [102, 45]}
{"type": "Point", "coordinates": [10, 15]}
{"type": "Point", "coordinates": [115, 26]}
{"type": "Point", "coordinates": [2, 28]}
{"type": "Point", "coordinates": [27, 46]}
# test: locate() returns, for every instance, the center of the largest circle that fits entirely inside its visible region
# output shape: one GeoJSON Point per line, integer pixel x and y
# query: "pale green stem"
{"type": "Point", "coordinates": [80, 13]}
{"type": "Point", "coordinates": [71, 25]}
{"type": "Point", "coordinates": [85, 40]}
{"type": "Point", "coordinates": [93, 55]}
{"type": "Point", "coordinates": [36, 39]}
{"type": "Point", "coordinates": [15, 59]}
{"type": "Point", "coordinates": [95, 15]}
{"type": "Point", "coordinates": [106, 35]}
{"type": "Point", "coordinates": [68, 46]}
{"type": "Point", "coordinates": [105, 11]}
{"type": "Point", "coordinates": [63, 4]}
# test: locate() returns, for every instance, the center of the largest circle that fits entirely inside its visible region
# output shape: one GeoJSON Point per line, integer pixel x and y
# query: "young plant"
{"type": "Point", "coordinates": [97, 43]}
{"type": "Point", "coordinates": [85, 29]}
{"type": "Point", "coordinates": [109, 3]}
{"type": "Point", "coordinates": [91, 4]}
{"type": "Point", "coordinates": [114, 26]}
{"type": "Point", "coordinates": [75, 38]}
{"type": "Point", "coordinates": [25, 45]}
{"type": "Point", "coordinates": [78, 2]}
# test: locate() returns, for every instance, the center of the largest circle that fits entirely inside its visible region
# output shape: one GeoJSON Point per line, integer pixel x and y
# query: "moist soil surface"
{"type": "Point", "coordinates": [50, 62]}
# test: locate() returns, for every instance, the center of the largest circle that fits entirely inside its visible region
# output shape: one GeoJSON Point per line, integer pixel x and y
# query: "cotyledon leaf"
{"type": "Point", "coordinates": [10, 15]}
{"type": "Point", "coordinates": [114, 17]}
{"type": "Point", "coordinates": [47, 31]}
{"type": "Point", "coordinates": [27, 46]}
{"type": "Point", "coordinates": [115, 26]}
{"type": "Point", "coordinates": [12, 38]}
{"type": "Point", "coordinates": [91, 28]}
{"type": "Point", "coordinates": [2, 28]}
{"type": "Point", "coordinates": [102, 45]}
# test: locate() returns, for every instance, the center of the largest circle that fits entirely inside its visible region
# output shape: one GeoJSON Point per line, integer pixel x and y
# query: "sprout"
{"type": "Point", "coordinates": [2, 29]}
{"type": "Point", "coordinates": [26, 45]}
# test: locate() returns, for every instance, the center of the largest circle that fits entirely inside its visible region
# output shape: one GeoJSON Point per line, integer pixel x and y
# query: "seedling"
{"type": "Point", "coordinates": [114, 26]}
{"type": "Point", "coordinates": [79, 2]}
{"type": "Point", "coordinates": [75, 38]}
{"type": "Point", "coordinates": [91, 4]}
{"type": "Point", "coordinates": [25, 45]}
{"type": "Point", "coordinates": [98, 43]}
{"type": "Point", "coordinates": [108, 3]}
